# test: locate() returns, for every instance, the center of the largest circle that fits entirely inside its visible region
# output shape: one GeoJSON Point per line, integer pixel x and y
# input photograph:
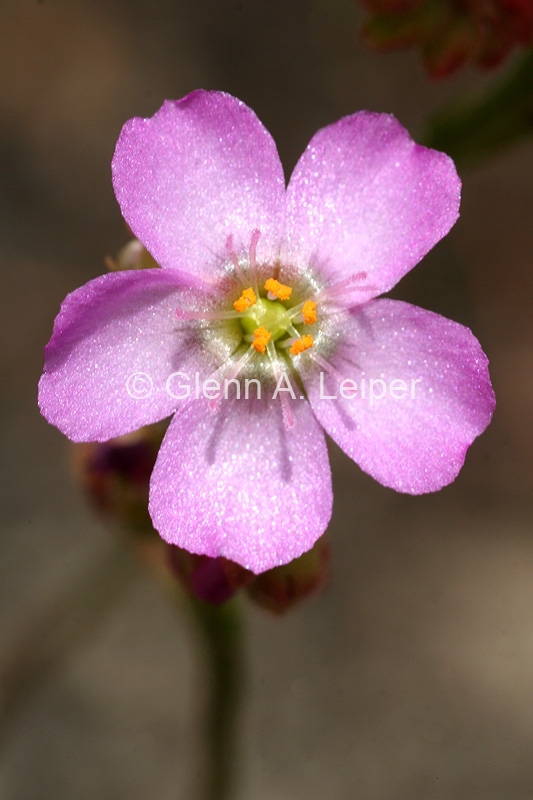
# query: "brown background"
{"type": "Point", "coordinates": [411, 678]}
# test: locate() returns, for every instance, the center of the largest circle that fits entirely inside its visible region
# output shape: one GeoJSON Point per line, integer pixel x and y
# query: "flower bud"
{"type": "Point", "coordinates": [281, 588]}
{"type": "Point", "coordinates": [133, 255]}
{"type": "Point", "coordinates": [213, 580]}
{"type": "Point", "coordinates": [116, 475]}
{"type": "Point", "coordinates": [451, 33]}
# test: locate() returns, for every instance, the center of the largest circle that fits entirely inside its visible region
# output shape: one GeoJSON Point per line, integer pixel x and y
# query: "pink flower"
{"type": "Point", "coordinates": [402, 391]}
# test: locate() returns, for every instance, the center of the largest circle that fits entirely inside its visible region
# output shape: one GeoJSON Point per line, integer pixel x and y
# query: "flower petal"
{"type": "Point", "coordinates": [431, 395]}
{"type": "Point", "coordinates": [248, 489]}
{"type": "Point", "coordinates": [365, 197]}
{"type": "Point", "coordinates": [115, 344]}
{"type": "Point", "coordinates": [200, 169]}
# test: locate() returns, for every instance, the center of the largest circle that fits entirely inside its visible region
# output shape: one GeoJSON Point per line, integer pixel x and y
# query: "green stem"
{"type": "Point", "coordinates": [221, 627]}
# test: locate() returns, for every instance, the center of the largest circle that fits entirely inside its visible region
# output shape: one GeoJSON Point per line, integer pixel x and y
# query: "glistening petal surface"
{"type": "Point", "coordinates": [415, 442]}
{"type": "Point", "coordinates": [365, 197]}
{"type": "Point", "coordinates": [200, 169]}
{"type": "Point", "coordinates": [119, 325]}
{"type": "Point", "coordinates": [247, 489]}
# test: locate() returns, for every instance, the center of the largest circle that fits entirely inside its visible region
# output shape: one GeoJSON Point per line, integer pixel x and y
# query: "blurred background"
{"type": "Point", "coordinates": [411, 676]}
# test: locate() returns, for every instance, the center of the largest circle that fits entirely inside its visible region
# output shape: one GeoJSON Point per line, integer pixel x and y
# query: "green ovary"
{"type": "Point", "coordinates": [268, 313]}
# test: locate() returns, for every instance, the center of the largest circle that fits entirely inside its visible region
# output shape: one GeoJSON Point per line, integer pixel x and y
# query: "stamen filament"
{"type": "Point", "coordinates": [293, 332]}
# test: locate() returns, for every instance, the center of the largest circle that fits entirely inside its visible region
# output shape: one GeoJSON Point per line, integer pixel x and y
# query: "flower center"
{"type": "Point", "coordinates": [264, 320]}
{"type": "Point", "coordinates": [265, 330]}
{"type": "Point", "coordinates": [269, 314]}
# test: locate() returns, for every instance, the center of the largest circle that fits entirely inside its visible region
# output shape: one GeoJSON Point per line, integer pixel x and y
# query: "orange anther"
{"type": "Point", "coordinates": [278, 289]}
{"type": "Point", "coordinates": [309, 312]}
{"type": "Point", "coordinates": [302, 344]}
{"type": "Point", "coordinates": [261, 339]}
{"type": "Point", "coordinates": [246, 300]}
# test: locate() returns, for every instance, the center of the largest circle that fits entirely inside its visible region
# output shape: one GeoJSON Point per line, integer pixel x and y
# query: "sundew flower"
{"type": "Point", "coordinates": [268, 293]}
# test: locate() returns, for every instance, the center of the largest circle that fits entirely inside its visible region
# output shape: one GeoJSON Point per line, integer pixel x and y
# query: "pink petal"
{"type": "Point", "coordinates": [365, 197]}
{"type": "Point", "coordinates": [200, 169]}
{"type": "Point", "coordinates": [115, 342]}
{"type": "Point", "coordinates": [237, 484]}
{"type": "Point", "coordinates": [415, 441]}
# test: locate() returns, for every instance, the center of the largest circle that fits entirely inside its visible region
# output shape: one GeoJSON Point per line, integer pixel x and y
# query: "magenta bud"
{"type": "Point", "coordinates": [116, 475]}
{"type": "Point", "coordinates": [213, 580]}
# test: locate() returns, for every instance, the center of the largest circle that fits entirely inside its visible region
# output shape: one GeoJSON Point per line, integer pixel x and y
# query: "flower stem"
{"type": "Point", "coordinates": [221, 627]}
